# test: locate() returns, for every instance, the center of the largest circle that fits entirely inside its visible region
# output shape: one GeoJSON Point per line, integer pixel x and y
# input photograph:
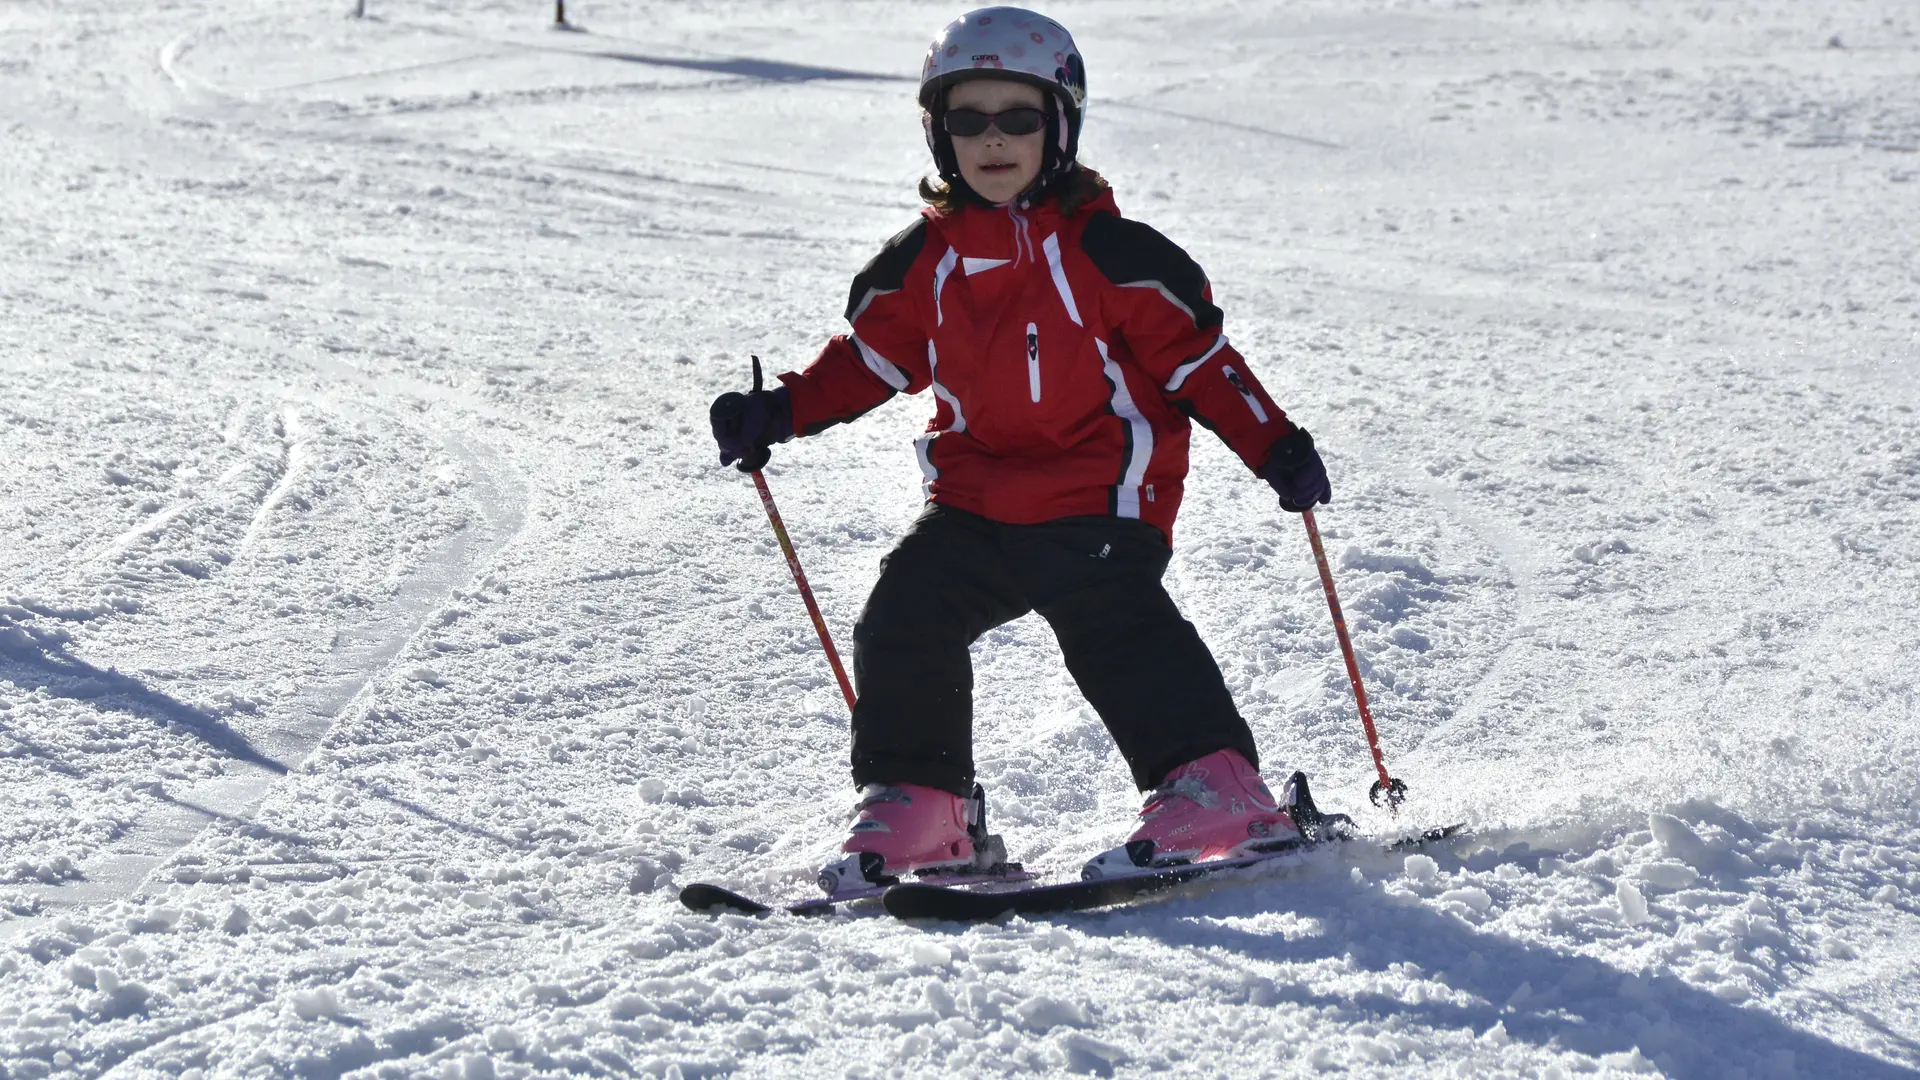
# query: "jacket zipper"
{"type": "Point", "coordinates": [1033, 361]}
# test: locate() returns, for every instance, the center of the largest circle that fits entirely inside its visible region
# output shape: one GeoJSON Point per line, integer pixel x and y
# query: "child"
{"type": "Point", "coordinates": [1067, 348]}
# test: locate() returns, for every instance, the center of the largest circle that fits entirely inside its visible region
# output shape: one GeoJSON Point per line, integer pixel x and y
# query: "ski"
{"type": "Point", "coordinates": [716, 900]}
{"type": "Point", "coordinates": [712, 899]}
{"type": "Point", "coordinates": [951, 904]}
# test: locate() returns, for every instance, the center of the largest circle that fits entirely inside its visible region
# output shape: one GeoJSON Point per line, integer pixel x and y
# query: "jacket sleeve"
{"type": "Point", "coordinates": [1167, 315]}
{"type": "Point", "coordinates": [885, 353]}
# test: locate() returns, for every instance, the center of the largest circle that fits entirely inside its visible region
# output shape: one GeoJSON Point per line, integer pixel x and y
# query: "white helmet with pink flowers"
{"type": "Point", "coordinates": [1007, 43]}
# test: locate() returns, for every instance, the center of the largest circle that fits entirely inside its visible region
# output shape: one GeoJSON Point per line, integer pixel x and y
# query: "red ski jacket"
{"type": "Point", "coordinates": [1066, 354]}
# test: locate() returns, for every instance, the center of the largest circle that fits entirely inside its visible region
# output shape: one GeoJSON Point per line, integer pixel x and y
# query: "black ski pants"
{"type": "Point", "coordinates": [1096, 580]}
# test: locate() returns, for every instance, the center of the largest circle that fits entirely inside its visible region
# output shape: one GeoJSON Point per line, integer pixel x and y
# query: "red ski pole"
{"type": "Point", "coordinates": [793, 561]}
{"type": "Point", "coordinates": [800, 579]}
{"type": "Point", "coordinates": [1394, 790]}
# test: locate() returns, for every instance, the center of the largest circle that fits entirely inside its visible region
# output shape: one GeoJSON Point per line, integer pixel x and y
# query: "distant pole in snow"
{"type": "Point", "coordinates": [559, 12]}
{"type": "Point", "coordinates": [1393, 790]}
{"type": "Point", "coordinates": [360, 9]}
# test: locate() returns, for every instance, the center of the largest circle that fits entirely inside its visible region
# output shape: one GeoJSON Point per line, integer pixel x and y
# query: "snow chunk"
{"type": "Point", "coordinates": [629, 1007]}
{"type": "Point", "coordinates": [1408, 638]}
{"type": "Point", "coordinates": [1380, 1049]}
{"type": "Point", "coordinates": [1599, 550]}
{"type": "Point", "coordinates": [49, 871]}
{"type": "Point", "coordinates": [1633, 905]}
{"type": "Point", "coordinates": [1668, 875]}
{"type": "Point", "coordinates": [1090, 1056]}
{"type": "Point", "coordinates": [940, 1000]}
{"type": "Point", "coordinates": [153, 920]}
{"type": "Point", "coordinates": [906, 1019]}
{"type": "Point", "coordinates": [932, 954]}
{"type": "Point", "coordinates": [237, 920]}
{"type": "Point", "coordinates": [1628, 1061]}
{"type": "Point", "coordinates": [318, 1003]}
{"type": "Point", "coordinates": [1732, 993]}
{"type": "Point", "coordinates": [1471, 896]}
{"type": "Point", "coordinates": [1421, 868]}
{"type": "Point", "coordinates": [648, 876]}
{"type": "Point", "coordinates": [82, 974]}
{"type": "Point", "coordinates": [1044, 1014]}
{"type": "Point", "coordinates": [117, 999]}
{"type": "Point", "coordinates": [1381, 562]}
{"type": "Point", "coordinates": [1678, 840]}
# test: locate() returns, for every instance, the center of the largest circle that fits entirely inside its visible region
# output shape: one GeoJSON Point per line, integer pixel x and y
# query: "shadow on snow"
{"type": "Point", "coordinates": [1573, 1002]}
{"type": "Point", "coordinates": [41, 662]}
{"type": "Point", "coordinates": [747, 67]}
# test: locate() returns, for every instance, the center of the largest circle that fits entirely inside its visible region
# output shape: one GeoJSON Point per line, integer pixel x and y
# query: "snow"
{"type": "Point", "coordinates": [381, 649]}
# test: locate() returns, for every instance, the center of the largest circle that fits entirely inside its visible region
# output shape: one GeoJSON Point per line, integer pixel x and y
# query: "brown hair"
{"type": "Point", "coordinates": [1074, 190]}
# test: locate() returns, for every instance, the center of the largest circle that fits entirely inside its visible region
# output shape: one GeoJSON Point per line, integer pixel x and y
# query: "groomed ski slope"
{"type": "Point", "coordinates": [381, 649]}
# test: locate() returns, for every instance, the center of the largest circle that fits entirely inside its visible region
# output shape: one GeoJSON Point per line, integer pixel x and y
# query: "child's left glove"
{"type": "Point", "coordinates": [746, 425]}
{"type": "Point", "coordinates": [1295, 470]}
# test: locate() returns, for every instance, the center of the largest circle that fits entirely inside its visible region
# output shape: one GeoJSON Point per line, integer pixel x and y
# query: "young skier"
{"type": "Point", "coordinates": [1067, 348]}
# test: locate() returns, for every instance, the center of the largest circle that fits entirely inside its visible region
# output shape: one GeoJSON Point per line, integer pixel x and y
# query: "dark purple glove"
{"type": "Point", "coordinates": [746, 425]}
{"type": "Point", "coordinates": [1295, 470]}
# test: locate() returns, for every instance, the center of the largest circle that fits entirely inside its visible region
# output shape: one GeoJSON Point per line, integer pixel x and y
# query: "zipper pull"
{"type": "Point", "coordinates": [1033, 361]}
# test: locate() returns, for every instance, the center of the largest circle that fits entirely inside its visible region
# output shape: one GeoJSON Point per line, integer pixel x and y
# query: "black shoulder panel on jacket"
{"type": "Point", "coordinates": [1132, 253]}
{"type": "Point", "coordinates": [888, 270]}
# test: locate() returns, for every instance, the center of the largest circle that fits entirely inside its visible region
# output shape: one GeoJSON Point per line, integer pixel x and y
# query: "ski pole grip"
{"type": "Point", "coordinates": [727, 412]}
{"type": "Point", "coordinates": [757, 459]}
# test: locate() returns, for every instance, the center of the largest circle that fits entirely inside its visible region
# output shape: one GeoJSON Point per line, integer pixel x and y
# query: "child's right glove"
{"type": "Point", "coordinates": [745, 425]}
{"type": "Point", "coordinates": [1295, 470]}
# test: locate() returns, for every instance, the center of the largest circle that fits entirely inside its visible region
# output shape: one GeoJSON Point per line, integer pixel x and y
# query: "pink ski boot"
{"type": "Point", "coordinates": [1214, 807]}
{"type": "Point", "coordinates": [912, 828]}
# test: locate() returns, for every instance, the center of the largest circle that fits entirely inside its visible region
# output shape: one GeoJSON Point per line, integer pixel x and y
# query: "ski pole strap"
{"type": "Point", "coordinates": [800, 579]}
{"type": "Point", "coordinates": [1393, 790]}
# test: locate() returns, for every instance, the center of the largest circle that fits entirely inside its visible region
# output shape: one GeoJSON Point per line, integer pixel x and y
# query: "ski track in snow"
{"type": "Point", "coordinates": [359, 653]}
{"type": "Point", "coordinates": [380, 649]}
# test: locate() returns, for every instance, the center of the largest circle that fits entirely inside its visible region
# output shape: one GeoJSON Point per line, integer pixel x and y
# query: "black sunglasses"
{"type": "Point", "coordinates": [969, 122]}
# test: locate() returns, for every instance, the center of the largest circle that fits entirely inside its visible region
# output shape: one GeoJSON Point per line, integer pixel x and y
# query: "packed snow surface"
{"type": "Point", "coordinates": [381, 647]}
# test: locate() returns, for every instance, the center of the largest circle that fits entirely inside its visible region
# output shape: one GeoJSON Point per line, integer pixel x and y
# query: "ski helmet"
{"type": "Point", "coordinates": [1007, 43]}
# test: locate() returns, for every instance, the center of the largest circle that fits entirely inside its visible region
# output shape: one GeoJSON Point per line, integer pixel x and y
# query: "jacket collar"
{"type": "Point", "coordinates": [1008, 231]}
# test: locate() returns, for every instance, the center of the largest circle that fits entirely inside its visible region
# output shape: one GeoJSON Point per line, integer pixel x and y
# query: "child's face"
{"type": "Point", "coordinates": [996, 165]}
